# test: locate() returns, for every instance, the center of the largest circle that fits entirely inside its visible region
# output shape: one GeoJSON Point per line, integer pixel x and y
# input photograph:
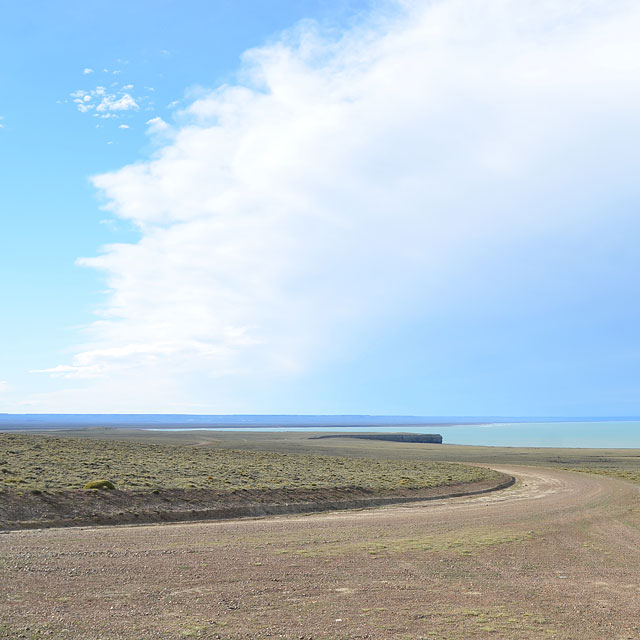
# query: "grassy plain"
{"type": "Point", "coordinates": [555, 556]}
{"type": "Point", "coordinates": [58, 463]}
{"type": "Point", "coordinates": [621, 463]}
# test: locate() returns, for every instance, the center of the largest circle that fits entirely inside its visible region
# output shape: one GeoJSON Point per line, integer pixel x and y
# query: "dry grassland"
{"type": "Point", "coordinates": [56, 463]}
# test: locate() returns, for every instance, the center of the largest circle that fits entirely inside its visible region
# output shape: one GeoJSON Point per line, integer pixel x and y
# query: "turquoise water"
{"type": "Point", "coordinates": [601, 432]}
{"type": "Point", "coordinates": [604, 434]}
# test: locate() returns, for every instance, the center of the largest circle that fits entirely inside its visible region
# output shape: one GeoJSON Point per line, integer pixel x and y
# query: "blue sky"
{"type": "Point", "coordinates": [320, 207]}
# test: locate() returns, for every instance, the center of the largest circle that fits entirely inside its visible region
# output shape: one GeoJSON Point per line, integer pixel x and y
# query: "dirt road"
{"type": "Point", "coordinates": [555, 556]}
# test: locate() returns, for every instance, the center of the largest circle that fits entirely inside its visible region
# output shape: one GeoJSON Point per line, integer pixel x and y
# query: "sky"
{"type": "Point", "coordinates": [352, 206]}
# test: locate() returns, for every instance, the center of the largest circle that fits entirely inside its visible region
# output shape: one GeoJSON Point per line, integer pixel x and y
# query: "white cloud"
{"type": "Point", "coordinates": [157, 126]}
{"type": "Point", "coordinates": [348, 181]}
{"type": "Point", "coordinates": [4, 386]}
{"type": "Point", "coordinates": [123, 126]}
{"type": "Point", "coordinates": [105, 101]}
{"type": "Point", "coordinates": [111, 102]}
{"type": "Point", "coordinates": [87, 71]}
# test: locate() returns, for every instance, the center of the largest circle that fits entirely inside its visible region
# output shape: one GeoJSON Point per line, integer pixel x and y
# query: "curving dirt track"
{"type": "Point", "coordinates": [555, 556]}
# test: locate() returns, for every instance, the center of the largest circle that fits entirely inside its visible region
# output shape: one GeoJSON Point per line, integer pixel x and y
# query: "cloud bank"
{"type": "Point", "coordinates": [344, 183]}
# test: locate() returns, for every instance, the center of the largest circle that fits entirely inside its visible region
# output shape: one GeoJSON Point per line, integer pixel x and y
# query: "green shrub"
{"type": "Point", "coordinates": [100, 484]}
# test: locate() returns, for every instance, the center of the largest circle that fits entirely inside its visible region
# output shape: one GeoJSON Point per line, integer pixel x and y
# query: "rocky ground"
{"type": "Point", "coordinates": [555, 556]}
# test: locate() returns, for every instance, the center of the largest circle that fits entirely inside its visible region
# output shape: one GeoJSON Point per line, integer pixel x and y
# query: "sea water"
{"type": "Point", "coordinates": [491, 431]}
{"type": "Point", "coordinates": [597, 435]}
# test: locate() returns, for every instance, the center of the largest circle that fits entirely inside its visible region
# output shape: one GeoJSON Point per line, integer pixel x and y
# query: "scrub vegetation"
{"type": "Point", "coordinates": [38, 463]}
{"type": "Point", "coordinates": [617, 463]}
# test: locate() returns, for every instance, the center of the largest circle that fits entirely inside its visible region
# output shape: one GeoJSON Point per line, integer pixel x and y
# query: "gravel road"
{"type": "Point", "coordinates": [555, 556]}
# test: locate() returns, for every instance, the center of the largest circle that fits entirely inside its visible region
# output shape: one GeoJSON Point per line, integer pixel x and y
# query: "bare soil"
{"type": "Point", "coordinates": [37, 509]}
{"type": "Point", "coordinates": [557, 555]}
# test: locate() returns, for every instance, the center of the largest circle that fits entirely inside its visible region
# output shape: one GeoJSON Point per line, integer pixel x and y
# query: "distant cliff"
{"type": "Point", "coordinates": [433, 438]}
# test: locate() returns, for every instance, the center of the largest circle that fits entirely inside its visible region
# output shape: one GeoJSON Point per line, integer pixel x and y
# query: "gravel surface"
{"type": "Point", "coordinates": [555, 556]}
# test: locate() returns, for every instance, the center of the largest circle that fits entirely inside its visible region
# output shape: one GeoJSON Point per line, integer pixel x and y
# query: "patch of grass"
{"type": "Point", "coordinates": [56, 463]}
{"type": "Point", "coordinates": [98, 484]}
{"type": "Point", "coordinates": [613, 472]}
{"type": "Point", "coordinates": [495, 621]}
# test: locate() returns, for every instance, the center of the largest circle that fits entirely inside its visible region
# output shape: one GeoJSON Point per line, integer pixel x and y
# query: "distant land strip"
{"type": "Point", "coordinates": [433, 438]}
